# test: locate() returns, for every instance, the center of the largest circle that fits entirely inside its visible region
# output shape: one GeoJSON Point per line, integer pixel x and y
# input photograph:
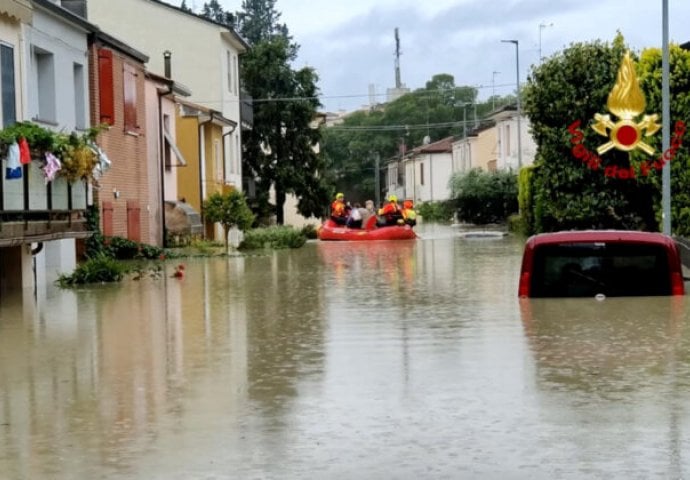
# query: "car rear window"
{"type": "Point", "coordinates": [588, 269]}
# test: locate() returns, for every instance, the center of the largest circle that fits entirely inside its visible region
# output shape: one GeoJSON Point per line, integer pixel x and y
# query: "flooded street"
{"type": "Point", "coordinates": [381, 360]}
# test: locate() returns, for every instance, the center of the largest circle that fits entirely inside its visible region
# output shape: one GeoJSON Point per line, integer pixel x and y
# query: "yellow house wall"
{"type": "Point", "coordinates": [188, 176]}
{"type": "Point", "coordinates": [485, 149]}
{"type": "Point", "coordinates": [213, 147]}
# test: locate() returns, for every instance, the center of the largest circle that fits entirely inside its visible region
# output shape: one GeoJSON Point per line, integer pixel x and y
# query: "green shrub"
{"type": "Point", "coordinates": [273, 237]}
{"type": "Point", "coordinates": [122, 248]}
{"type": "Point", "coordinates": [436, 212]}
{"type": "Point", "coordinates": [101, 268]}
{"type": "Point", "coordinates": [309, 231]}
{"type": "Point", "coordinates": [125, 249]}
{"type": "Point", "coordinates": [485, 197]}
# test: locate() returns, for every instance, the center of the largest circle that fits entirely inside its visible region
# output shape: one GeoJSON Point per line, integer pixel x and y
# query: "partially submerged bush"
{"type": "Point", "coordinates": [273, 237]}
{"type": "Point", "coordinates": [309, 231]}
{"type": "Point", "coordinates": [436, 212]}
{"type": "Point", "coordinates": [99, 269]}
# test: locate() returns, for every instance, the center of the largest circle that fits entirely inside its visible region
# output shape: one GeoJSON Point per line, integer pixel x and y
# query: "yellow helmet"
{"type": "Point", "coordinates": [340, 195]}
{"type": "Point", "coordinates": [392, 198]}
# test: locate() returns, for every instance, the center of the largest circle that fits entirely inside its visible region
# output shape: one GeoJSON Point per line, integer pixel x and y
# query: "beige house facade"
{"type": "Point", "coordinates": [203, 55]}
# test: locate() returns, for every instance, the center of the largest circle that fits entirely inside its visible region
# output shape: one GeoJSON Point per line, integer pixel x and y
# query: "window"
{"type": "Point", "coordinates": [586, 269]}
{"type": "Point", "coordinates": [106, 95]}
{"type": "Point", "coordinates": [79, 97]}
{"type": "Point", "coordinates": [234, 72]}
{"type": "Point", "coordinates": [421, 174]}
{"type": "Point", "coordinates": [130, 98]}
{"type": "Point", "coordinates": [228, 57]}
{"type": "Point", "coordinates": [45, 82]}
{"type": "Point", "coordinates": [392, 176]}
{"type": "Point", "coordinates": [7, 88]}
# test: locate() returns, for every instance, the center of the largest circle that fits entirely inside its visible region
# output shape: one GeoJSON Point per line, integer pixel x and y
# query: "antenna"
{"type": "Point", "coordinates": [398, 83]}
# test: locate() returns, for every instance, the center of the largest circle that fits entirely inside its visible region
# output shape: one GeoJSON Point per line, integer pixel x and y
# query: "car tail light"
{"type": "Point", "coordinates": [677, 286]}
{"type": "Point", "coordinates": [523, 288]}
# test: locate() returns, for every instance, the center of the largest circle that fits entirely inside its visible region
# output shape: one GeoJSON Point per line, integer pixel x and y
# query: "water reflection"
{"type": "Point", "coordinates": [342, 360]}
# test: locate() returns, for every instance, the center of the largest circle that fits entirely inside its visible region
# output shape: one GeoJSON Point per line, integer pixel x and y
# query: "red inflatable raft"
{"type": "Point", "coordinates": [332, 231]}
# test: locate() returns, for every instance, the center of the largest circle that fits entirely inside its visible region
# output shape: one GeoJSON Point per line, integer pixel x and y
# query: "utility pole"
{"type": "Point", "coordinates": [665, 122]}
{"type": "Point", "coordinates": [377, 180]}
{"type": "Point", "coordinates": [398, 81]}
{"type": "Point", "coordinates": [519, 110]}
{"type": "Point", "coordinates": [542, 26]}
{"type": "Point", "coordinates": [493, 90]}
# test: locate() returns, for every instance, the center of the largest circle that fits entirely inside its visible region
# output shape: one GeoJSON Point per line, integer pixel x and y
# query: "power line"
{"type": "Point", "coordinates": [383, 128]}
{"type": "Point", "coordinates": [331, 97]}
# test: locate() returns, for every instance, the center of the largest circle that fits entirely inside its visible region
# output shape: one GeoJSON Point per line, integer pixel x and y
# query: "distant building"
{"type": "Point", "coordinates": [493, 145]}
{"type": "Point", "coordinates": [427, 170]}
{"type": "Point", "coordinates": [392, 94]}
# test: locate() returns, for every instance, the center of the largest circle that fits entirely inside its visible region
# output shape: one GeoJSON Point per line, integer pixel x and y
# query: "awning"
{"type": "Point", "coordinates": [171, 144]}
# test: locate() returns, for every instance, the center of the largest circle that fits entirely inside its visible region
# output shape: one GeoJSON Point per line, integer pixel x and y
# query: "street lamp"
{"type": "Point", "coordinates": [542, 26]}
{"type": "Point", "coordinates": [519, 110]}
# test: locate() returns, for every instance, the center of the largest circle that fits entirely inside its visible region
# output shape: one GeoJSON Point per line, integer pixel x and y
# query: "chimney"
{"type": "Point", "coordinates": [77, 7]}
{"type": "Point", "coordinates": [166, 62]}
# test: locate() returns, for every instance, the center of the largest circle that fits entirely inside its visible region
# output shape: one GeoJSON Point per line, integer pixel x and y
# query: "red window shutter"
{"type": "Point", "coordinates": [105, 86]}
{"type": "Point", "coordinates": [130, 99]}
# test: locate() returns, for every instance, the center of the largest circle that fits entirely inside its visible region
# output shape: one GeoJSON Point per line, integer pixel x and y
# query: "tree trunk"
{"type": "Point", "coordinates": [280, 203]}
{"type": "Point", "coordinates": [226, 232]}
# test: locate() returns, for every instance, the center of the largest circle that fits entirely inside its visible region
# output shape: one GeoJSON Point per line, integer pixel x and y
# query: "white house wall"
{"type": "Point", "coordinates": [438, 169]}
{"type": "Point", "coordinates": [199, 58]}
{"type": "Point", "coordinates": [508, 145]}
{"type": "Point", "coordinates": [68, 47]}
{"type": "Point", "coordinates": [67, 44]}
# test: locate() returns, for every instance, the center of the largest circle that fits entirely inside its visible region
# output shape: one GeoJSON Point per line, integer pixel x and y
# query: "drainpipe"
{"type": "Point", "coordinates": [202, 171]}
{"type": "Point", "coordinates": [161, 138]}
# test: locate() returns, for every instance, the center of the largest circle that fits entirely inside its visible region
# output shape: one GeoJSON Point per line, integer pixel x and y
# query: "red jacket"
{"type": "Point", "coordinates": [338, 209]}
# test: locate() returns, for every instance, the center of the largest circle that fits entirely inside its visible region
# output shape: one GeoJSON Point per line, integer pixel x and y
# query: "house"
{"type": "Point", "coordinates": [204, 55]}
{"type": "Point", "coordinates": [507, 139]}
{"type": "Point", "coordinates": [427, 171]}
{"type": "Point", "coordinates": [117, 102]}
{"type": "Point", "coordinates": [164, 155]}
{"type": "Point", "coordinates": [493, 145]}
{"type": "Point", "coordinates": [44, 62]}
{"type": "Point", "coordinates": [478, 150]}
{"type": "Point", "coordinates": [200, 130]}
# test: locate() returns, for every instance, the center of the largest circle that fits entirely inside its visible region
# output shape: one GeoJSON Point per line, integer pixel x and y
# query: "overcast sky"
{"type": "Point", "coordinates": [352, 46]}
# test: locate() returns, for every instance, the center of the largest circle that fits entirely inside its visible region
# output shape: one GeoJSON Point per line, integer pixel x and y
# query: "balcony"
{"type": "Point", "coordinates": [32, 211]}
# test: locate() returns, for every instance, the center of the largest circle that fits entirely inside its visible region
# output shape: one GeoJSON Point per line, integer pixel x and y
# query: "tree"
{"type": "Point", "coordinates": [280, 149]}
{"type": "Point", "coordinates": [437, 110]}
{"type": "Point", "coordinates": [184, 7]}
{"type": "Point", "coordinates": [214, 11]}
{"type": "Point", "coordinates": [229, 209]}
{"type": "Point", "coordinates": [575, 85]}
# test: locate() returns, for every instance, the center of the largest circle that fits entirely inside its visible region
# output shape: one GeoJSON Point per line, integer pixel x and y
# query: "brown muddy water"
{"type": "Point", "coordinates": [381, 360]}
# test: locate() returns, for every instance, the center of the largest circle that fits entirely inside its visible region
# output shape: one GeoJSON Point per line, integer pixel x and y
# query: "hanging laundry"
{"type": "Point", "coordinates": [24, 153]}
{"type": "Point", "coordinates": [14, 168]}
{"type": "Point", "coordinates": [103, 164]}
{"type": "Point", "coordinates": [51, 167]}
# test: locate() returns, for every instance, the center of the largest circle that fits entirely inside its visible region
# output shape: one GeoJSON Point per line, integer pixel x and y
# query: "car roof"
{"type": "Point", "coordinates": [613, 236]}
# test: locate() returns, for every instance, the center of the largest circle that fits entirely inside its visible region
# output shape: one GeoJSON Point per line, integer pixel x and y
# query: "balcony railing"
{"type": "Point", "coordinates": [31, 210]}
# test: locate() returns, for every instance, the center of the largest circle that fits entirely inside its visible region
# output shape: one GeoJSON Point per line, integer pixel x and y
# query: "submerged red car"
{"type": "Point", "coordinates": [613, 263]}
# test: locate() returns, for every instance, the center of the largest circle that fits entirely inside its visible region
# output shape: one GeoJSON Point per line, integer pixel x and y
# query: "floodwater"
{"type": "Point", "coordinates": [382, 360]}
